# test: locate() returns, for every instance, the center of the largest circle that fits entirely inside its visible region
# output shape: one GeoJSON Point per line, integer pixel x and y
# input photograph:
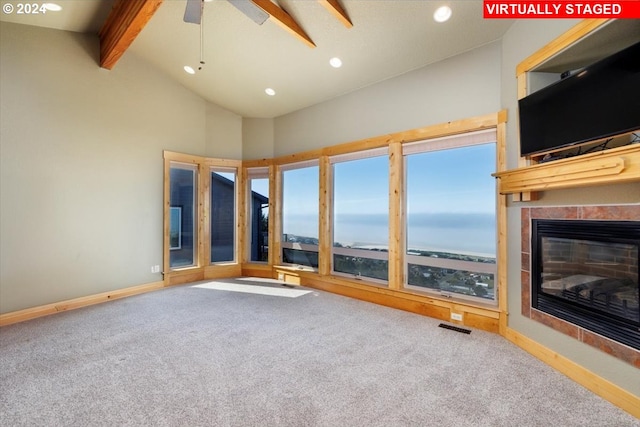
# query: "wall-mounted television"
{"type": "Point", "coordinates": [598, 101]}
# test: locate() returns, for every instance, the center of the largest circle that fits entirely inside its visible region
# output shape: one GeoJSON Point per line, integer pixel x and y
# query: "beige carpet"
{"type": "Point", "coordinates": [249, 353]}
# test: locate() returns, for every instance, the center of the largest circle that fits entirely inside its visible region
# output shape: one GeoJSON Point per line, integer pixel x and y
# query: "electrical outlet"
{"type": "Point", "coordinates": [155, 269]}
{"type": "Point", "coordinates": [281, 276]}
{"type": "Point", "coordinates": [456, 316]}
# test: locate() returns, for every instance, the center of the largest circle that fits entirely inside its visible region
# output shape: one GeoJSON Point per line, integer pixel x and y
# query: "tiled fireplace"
{"type": "Point", "coordinates": [588, 245]}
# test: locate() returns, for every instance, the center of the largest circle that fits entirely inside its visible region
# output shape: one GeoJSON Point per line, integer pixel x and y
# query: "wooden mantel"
{"type": "Point", "coordinates": [616, 165]}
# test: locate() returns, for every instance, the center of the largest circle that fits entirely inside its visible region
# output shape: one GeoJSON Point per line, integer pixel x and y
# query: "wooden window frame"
{"type": "Point", "coordinates": [483, 316]}
{"type": "Point", "coordinates": [360, 253]}
{"type": "Point", "coordinates": [462, 140]}
{"type": "Point", "coordinates": [249, 174]}
{"type": "Point", "coordinates": [202, 268]}
{"type": "Point", "coordinates": [279, 220]}
{"type": "Point", "coordinates": [236, 211]}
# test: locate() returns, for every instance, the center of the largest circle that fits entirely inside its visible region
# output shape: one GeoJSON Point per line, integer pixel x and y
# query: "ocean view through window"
{"type": "Point", "coordinates": [449, 215]}
{"type": "Point", "coordinates": [451, 218]}
{"type": "Point", "coordinates": [300, 204]}
{"type": "Point", "coordinates": [360, 206]}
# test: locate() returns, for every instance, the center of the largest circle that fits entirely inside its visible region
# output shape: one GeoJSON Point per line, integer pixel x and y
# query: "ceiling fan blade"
{"type": "Point", "coordinates": [193, 12]}
{"type": "Point", "coordinates": [250, 9]}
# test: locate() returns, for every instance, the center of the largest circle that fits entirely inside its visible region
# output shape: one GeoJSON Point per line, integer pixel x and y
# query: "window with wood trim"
{"type": "Point", "coordinates": [223, 214]}
{"type": "Point", "coordinates": [451, 215]}
{"type": "Point", "coordinates": [201, 220]}
{"type": "Point", "coordinates": [361, 214]}
{"type": "Point", "coordinates": [183, 215]}
{"type": "Point", "coordinates": [258, 203]}
{"type": "Point", "coordinates": [300, 207]}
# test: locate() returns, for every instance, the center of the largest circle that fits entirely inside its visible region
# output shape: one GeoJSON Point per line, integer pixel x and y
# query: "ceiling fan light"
{"type": "Point", "coordinates": [442, 14]}
{"type": "Point", "coordinates": [269, 91]}
{"type": "Point", "coordinates": [189, 70]}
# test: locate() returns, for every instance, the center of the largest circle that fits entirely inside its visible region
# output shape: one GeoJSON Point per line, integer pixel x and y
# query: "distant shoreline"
{"type": "Point", "coordinates": [382, 247]}
{"type": "Point", "coordinates": [368, 246]}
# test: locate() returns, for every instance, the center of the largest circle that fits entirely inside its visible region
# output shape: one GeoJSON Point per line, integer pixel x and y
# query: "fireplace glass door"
{"type": "Point", "coordinates": [595, 275]}
{"type": "Point", "coordinates": [586, 272]}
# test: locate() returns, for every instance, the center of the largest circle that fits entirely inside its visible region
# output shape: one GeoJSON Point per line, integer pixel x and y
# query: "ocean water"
{"type": "Point", "coordinates": [447, 232]}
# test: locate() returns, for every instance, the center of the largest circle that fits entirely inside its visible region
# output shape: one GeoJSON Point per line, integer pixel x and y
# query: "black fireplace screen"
{"type": "Point", "coordinates": [586, 272]}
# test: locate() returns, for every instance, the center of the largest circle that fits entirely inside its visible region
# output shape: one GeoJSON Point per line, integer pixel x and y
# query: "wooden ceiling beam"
{"type": "Point", "coordinates": [336, 10]}
{"type": "Point", "coordinates": [282, 18]}
{"type": "Point", "coordinates": [124, 23]}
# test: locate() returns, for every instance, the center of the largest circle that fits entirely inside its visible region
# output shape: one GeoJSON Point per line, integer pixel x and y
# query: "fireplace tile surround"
{"type": "Point", "coordinates": [613, 213]}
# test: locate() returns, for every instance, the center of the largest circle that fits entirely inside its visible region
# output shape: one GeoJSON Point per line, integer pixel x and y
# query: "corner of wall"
{"type": "Point", "coordinates": [258, 138]}
{"type": "Point", "coordinates": [223, 133]}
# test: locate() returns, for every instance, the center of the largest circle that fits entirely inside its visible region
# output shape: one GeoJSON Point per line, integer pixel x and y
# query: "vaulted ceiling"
{"type": "Point", "coordinates": [289, 53]}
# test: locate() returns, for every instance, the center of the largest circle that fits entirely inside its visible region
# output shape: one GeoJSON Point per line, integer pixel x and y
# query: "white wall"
{"type": "Point", "coordinates": [523, 39]}
{"type": "Point", "coordinates": [463, 86]}
{"type": "Point", "coordinates": [223, 133]}
{"type": "Point", "coordinates": [257, 139]}
{"type": "Point", "coordinates": [81, 165]}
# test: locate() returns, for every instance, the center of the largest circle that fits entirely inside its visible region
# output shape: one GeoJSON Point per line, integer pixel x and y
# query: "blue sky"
{"type": "Point", "coordinates": [446, 190]}
{"type": "Point", "coordinates": [446, 181]}
{"type": "Point", "coordinates": [260, 186]}
{"type": "Point", "coordinates": [362, 186]}
{"type": "Point", "coordinates": [452, 181]}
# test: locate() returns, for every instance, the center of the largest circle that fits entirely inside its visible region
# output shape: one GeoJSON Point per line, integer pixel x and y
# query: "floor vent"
{"type": "Point", "coordinates": [455, 328]}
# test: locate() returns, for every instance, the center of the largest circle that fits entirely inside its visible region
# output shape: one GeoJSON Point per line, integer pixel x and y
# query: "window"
{"type": "Point", "coordinates": [258, 214]}
{"type": "Point", "coordinates": [223, 214]}
{"type": "Point", "coordinates": [183, 215]}
{"type": "Point", "coordinates": [200, 216]}
{"type": "Point", "coordinates": [361, 214]}
{"type": "Point", "coordinates": [300, 207]}
{"type": "Point", "coordinates": [451, 215]}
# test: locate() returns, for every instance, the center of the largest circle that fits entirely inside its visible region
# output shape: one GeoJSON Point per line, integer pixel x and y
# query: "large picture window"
{"type": "Point", "coordinates": [300, 204]}
{"type": "Point", "coordinates": [361, 214]}
{"type": "Point", "coordinates": [223, 214]}
{"type": "Point", "coordinates": [183, 215]}
{"type": "Point", "coordinates": [451, 215]}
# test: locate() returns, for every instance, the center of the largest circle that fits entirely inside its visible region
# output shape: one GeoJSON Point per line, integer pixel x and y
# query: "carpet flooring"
{"type": "Point", "coordinates": [249, 352]}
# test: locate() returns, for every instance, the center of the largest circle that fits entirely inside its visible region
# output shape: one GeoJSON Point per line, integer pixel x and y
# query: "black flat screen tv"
{"type": "Point", "coordinates": [599, 101]}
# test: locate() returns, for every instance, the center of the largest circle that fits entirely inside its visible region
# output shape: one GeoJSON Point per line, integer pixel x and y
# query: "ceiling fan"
{"type": "Point", "coordinates": [261, 10]}
{"type": "Point", "coordinates": [194, 9]}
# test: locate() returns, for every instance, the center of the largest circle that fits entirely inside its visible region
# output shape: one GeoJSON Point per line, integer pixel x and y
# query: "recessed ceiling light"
{"type": "Point", "coordinates": [442, 14]}
{"type": "Point", "coordinates": [335, 62]}
{"type": "Point", "coordinates": [52, 7]}
{"type": "Point", "coordinates": [189, 69]}
{"type": "Point", "coordinates": [269, 91]}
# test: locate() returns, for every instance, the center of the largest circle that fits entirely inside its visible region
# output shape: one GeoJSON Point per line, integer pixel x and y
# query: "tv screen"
{"type": "Point", "coordinates": [599, 101]}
